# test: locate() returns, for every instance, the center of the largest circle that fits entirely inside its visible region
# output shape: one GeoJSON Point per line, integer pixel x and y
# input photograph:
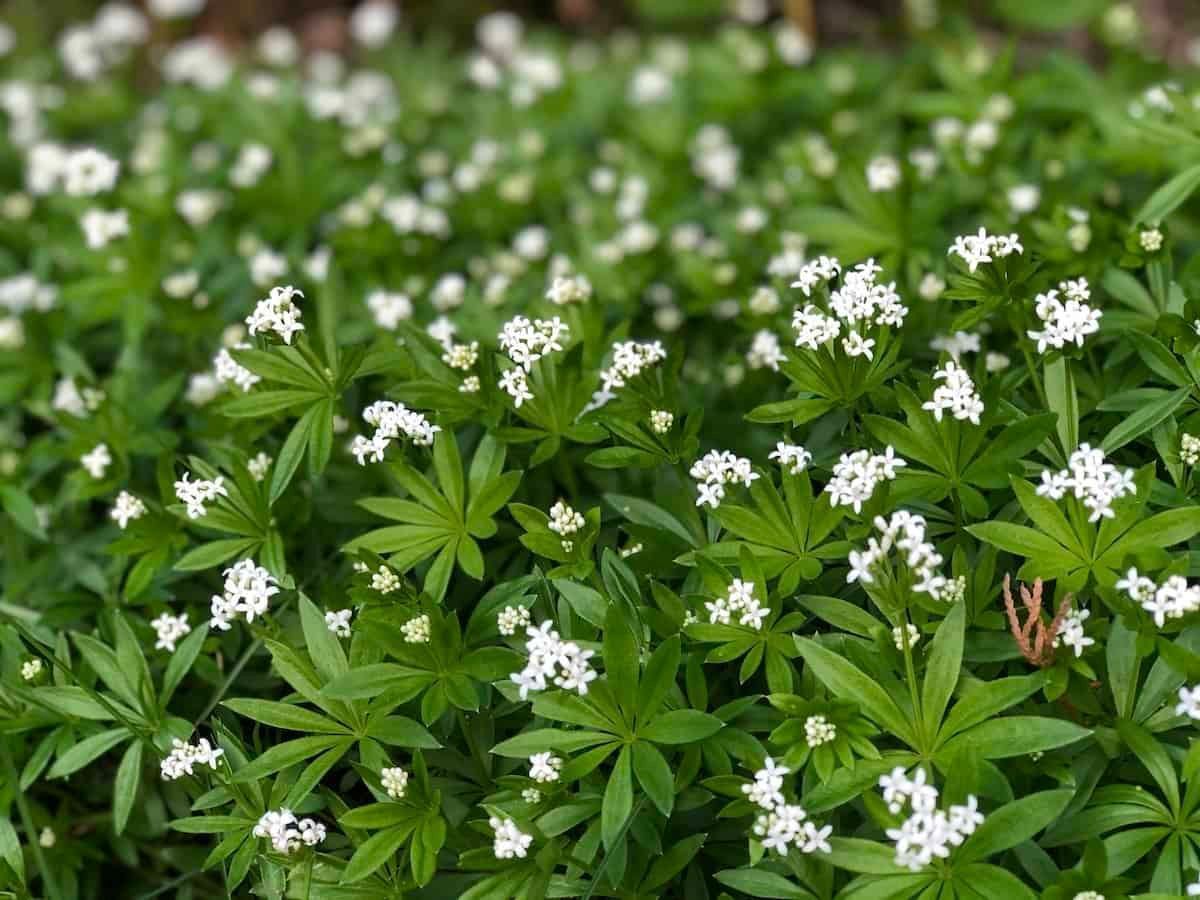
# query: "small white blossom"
{"type": "Point", "coordinates": [857, 474]}
{"type": "Point", "coordinates": [338, 622]}
{"type": "Point", "coordinates": [818, 730]}
{"type": "Point", "coordinates": [194, 494]}
{"type": "Point", "coordinates": [170, 629]}
{"type": "Point", "coordinates": [96, 461]}
{"type": "Point", "coordinates": [277, 314]}
{"type": "Point", "coordinates": [248, 590]}
{"type": "Point", "coordinates": [417, 630]}
{"type": "Point", "coordinates": [661, 421]}
{"type": "Point", "coordinates": [385, 580]}
{"type": "Point", "coordinates": [125, 509]}
{"type": "Point", "coordinates": [956, 395]}
{"type": "Point", "coordinates": [184, 757]}
{"type": "Point", "coordinates": [31, 669]}
{"type": "Point", "coordinates": [1091, 480]}
{"type": "Point", "coordinates": [715, 470]}
{"type": "Point", "coordinates": [545, 767]}
{"type": "Point", "coordinates": [395, 781]}
{"type": "Point", "coordinates": [509, 841]}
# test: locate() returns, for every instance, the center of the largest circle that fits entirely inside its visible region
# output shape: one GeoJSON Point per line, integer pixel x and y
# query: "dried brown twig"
{"type": "Point", "coordinates": [1035, 639]}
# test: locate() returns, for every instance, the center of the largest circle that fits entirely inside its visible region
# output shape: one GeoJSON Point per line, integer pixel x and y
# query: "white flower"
{"type": "Point", "coordinates": [857, 474]}
{"type": "Point", "coordinates": [791, 457]}
{"type": "Point", "coordinates": [88, 172]}
{"type": "Point", "coordinates": [229, 370]}
{"type": "Point", "coordinates": [417, 630]}
{"type": "Point", "coordinates": [956, 395]}
{"type": "Point", "coordinates": [287, 834]}
{"type": "Point", "coordinates": [258, 465]}
{"type": "Point", "coordinates": [392, 421]}
{"type": "Point", "coordinates": [1189, 449]}
{"type": "Point", "coordinates": [931, 286]}
{"type": "Point", "coordinates": [96, 461]}
{"type": "Point", "coordinates": [47, 838]}
{"type": "Point", "coordinates": [1024, 198]}
{"type": "Point", "coordinates": [389, 309]}
{"type": "Point", "coordinates": [767, 788]}
{"type": "Point", "coordinates": [550, 657]}
{"type": "Point", "coordinates": [175, 9]}
{"type": "Point", "coordinates": [904, 533]}
{"type": "Point", "coordinates": [928, 833]}
{"type": "Point", "coordinates": [516, 384]}
{"type": "Point", "coordinates": [716, 469]}
{"type": "Point", "coordinates": [1091, 480]}
{"type": "Point", "coordinates": [977, 249]}
{"type": "Point", "coordinates": [338, 622]}
{"type": "Point", "coordinates": [31, 669]}
{"type": "Point", "coordinates": [544, 767]}
{"type": "Point", "coordinates": [883, 174]}
{"type": "Point", "coordinates": [248, 590]}
{"type": "Point", "coordinates": [661, 421]}
{"type": "Point", "coordinates": [956, 344]}
{"type": "Point", "coordinates": [184, 757]}
{"type": "Point", "coordinates": [914, 635]}
{"type": "Point", "coordinates": [1189, 702]}
{"type": "Point", "coordinates": [564, 520]}
{"type": "Point", "coordinates": [996, 362]}
{"type": "Point", "coordinates": [630, 359]}
{"type": "Point", "coordinates": [818, 730]}
{"type": "Point", "coordinates": [385, 580]}
{"type": "Point", "coordinates": [531, 795]}
{"type": "Point", "coordinates": [372, 23]}
{"type": "Point", "coordinates": [510, 841]}
{"type": "Point", "coordinates": [277, 314]}
{"type": "Point", "coordinates": [126, 508]}
{"type": "Point", "coordinates": [1070, 632]}
{"type": "Point", "coordinates": [170, 629]}
{"type": "Point", "coordinates": [395, 781]}
{"type": "Point", "coordinates": [511, 619]}
{"type": "Point", "coordinates": [765, 352]}
{"type": "Point", "coordinates": [1151, 240]}
{"type": "Point", "coordinates": [1065, 323]}
{"type": "Point", "coordinates": [101, 226]}
{"type": "Point", "coordinates": [194, 494]}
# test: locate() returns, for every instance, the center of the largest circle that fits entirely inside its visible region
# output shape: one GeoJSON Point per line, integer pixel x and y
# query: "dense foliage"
{"type": "Point", "coordinates": [621, 467]}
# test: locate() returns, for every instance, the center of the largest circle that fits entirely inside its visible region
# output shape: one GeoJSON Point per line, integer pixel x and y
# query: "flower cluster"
{"type": "Point", "coordinates": [551, 658]}
{"type": "Point", "coordinates": [277, 314]}
{"type": "Point", "coordinates": [1070, 631]}
{"type": "Point", "coordinates": [857, 474]}
{"type": "Point", "coordinates": [791, 457]}
{"type": "Point", "coordinates": [170, 629]}
{"type": "Point", "coordinates": [905, 532]}
{"type": "Point", "coordinates": [741, 602]}
{"type": "Point", "coordinates": [184, 757]}
{"type": "Point", "coordinates": [717, 468]}
{"type": "Point", "coordinates": [1065, 323]}
{"type": "Point", "coordinates": [194, 494]}
{"type": "Point", "coordinates": [818, 730]}
{"type": "Point", "coordinates": [248, 590]}
{"type": "Point", "coordinates": [510, 842]}
{"type": "Point", "coordinates": [977, 249]}
{"type": "Point", "coordinates": [338, 622]}
{"type": "Point", "coordinates": [287, 833]}
{"type": "Point", "coordinates": [391, 422]}
{"type": "Point", "coordinates": [417, 630]}
{"type": "Point", "coordinates": [783, 826]}
{"type": "Point", "coordinates": [126, 508]}
{"type": "Point", "coordinates": [859, 304]}
{"type": "Point", "coordinates": [1091, 480]}
{"type": "Point", "coordinates": [565, 521]}
{"type": "Point", "coordinates": [956, 395]}
{"type": "Point", "coordinates": [1189, 449]}
{"type": "Point", "coordinates": [545, 767]}
{"type": "Point", "coordinates": [1173, 599]}
{"type": "Point", "coordinates": [394, 781]}
{"type": "Point", "coordinates": [928, 833]}
{"type": "Point", "coordinates": [629, 360]}
{"type": "Point", "coordinates": [512, 619]}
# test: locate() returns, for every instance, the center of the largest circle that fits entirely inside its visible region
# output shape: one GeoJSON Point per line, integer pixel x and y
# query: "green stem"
{"type": "Point", "coordinates": [31, 835]}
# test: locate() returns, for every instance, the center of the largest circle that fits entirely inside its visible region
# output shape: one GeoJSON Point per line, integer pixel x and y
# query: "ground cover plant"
{"type": "Point", "coordinates": [625, 465]}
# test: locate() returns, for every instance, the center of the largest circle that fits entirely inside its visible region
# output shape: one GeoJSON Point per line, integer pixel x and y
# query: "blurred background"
{"type": "Point", "coordinates": [1162, 26]}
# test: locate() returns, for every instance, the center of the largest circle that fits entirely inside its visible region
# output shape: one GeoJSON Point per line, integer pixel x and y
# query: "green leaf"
{"type": "Point", "coordinates": [1024, 541]}
{"type": "Point", "coordinates": [654, 775]}
{"type": "Point", "coordinates": [20, 507]}
{"type": "Point", "coordinates": [681, 726]}
{"type": "Point", "coordinates": [10, 848]}
{"type": "Point", "coordinates": [210, 824]}
{"type": "Point", "coordinates": [448, 465]}
{"type": "Point", "coordinates": [374, 852]}
{"type": "Point", "coordinates": [942, 669]}
{"type": "Point", "coordinates": [323, 647]}
{"type": "Point", "coordinates": [651, 515]}
{"type": "Point", "coordinates": [621, 658]}
{"type": "Point", "coordinates": [618, 799]}
{"type": "Point", "coordinates": [291, 454]}
{"type": "Point", "coordinates": [285, 715]}
{"type": "Point", "coordinates": [87, 751]}
{"type": "Point", "coordinates": [1062, 400]}
{"type": "Point", "coordinates": [1170, 196]}
{"type": "Point", "coordinates": [1017, 736]}
{"type": "Point", "coordinates": [1012, 824]}
{"type": "Point", "coordinates": [762, 883]}
{"type": "Point", "coordinates": [659, 678]}
{"type": "Point", "coordinates": [1143, 419]}
{"type": "Point", "coordinates": [210, 555]}
{"type": "Point", "coordinates": [287, 754]}
{"type": "Point", "coordinates": [844, 679]}
{"type": "Point", "coordinates": [125, 787]}
{"type": "Point", "coordinates": [1164, 529]}
{"type": "Point", "coordinates": [401, 731]}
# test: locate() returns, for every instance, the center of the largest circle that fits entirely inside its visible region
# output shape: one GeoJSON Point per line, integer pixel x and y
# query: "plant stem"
{"type": "Point", "coordinates": [31, 835]}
